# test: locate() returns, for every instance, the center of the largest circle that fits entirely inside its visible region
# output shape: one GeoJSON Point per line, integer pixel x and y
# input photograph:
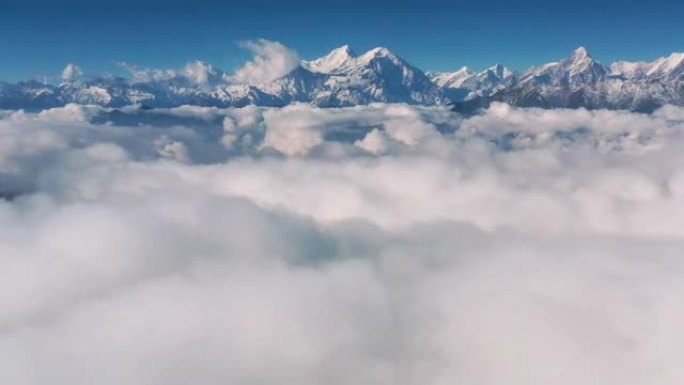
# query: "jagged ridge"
{"type": "Point", "coordinates": [343, 78]}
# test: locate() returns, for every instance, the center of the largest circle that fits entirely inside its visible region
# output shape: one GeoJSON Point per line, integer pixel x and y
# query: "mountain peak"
{"type": "Point", "coordinates": [345, 49]}
{"type": "Point", "coordinates": [580, 53]}
{"type": "Point", "coordinates": [451, 79]}
{"type": "Point", "coordinates": [335, 61]}
{"type": "Point", "coordinates": [578, 69]}
{"type": "Point", "coordinates": [674, 60]}
{"type": "Point", "coordinates": [500, 70]}
{"type": "Point", "coordinates": [672, 65]}
{"type": "Point", "coordinates": [379, 51]}
{"type": "Point", "coordinates": [464, 70]}
{"type": "Point", "coordinates": [341, 78]}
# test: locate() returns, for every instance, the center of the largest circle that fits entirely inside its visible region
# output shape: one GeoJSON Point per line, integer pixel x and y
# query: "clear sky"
{"type": "Point", "coordinates": [38, 38]}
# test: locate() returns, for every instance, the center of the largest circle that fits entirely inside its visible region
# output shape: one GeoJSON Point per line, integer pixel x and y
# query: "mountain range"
{"type": "Point", "coordinates": [343, 78]}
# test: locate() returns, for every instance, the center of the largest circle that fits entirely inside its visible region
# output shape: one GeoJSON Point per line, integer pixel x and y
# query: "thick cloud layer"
{"type": "Point", "coordinates": [384, 244]}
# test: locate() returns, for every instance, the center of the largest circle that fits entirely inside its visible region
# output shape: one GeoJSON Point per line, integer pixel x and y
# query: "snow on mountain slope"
{"type": "Point", "coordinates": [489, 81]}
{"type": "Point", "coordinates": [628, 70]}
{"type": "Point", "coordinates": [578, 69]}
{"type": "Point", "coordinates": [670, 67]}
{"type": "Point", "coordinates": [580, 81]}
{"type": "Point", "coordinates": [343, 78]}
{"type": "Point", "coordinates": [339, 60]}
{"type": "Point", "coordinates": [467, 84]}
{"type": "Point", "coordinates": [451, 79]}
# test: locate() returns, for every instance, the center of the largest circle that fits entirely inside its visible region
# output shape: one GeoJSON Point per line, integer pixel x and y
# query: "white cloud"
{"type": "Point", "coordinates": [294, 130]}
{"type": "Point", "coordinates": [69, 113]}
{"type": "Point", "coordinates": [271, 60]}
{"type": "Point", "coordinates": [385, 244]}
{"type": "Point", "coordinates": [144, 75]}
{"type": "Point", "coordinates": [197, 72]}
{"type": "Point", "coordinates": [171, 149]}
{"type": "Point", "coordinates": [203, 73]}
{"type": "Point", "coordinates": [71, 72]}
{"type": "Point", "coordinates": [241, 124]}
{"type": "Point", "coordinates": [374, 142]}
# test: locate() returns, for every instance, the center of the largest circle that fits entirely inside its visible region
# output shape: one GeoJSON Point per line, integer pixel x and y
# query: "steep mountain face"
{"type": "Point", "coordinates": [578, 70]}
{"type": "Point", "coordinates": [378, 75]}
{"type": "Point", "coordinates": [338, 79]}
{"type": "Point", "coordinates": [579, 81]}
{"type": "Point", "coordinates": [465, 84]}
{"type": "Point", "coordinates": [570, 83]}
{"type": "Point", "coordinates": [339, 61]}
{"type": "Point", "coordinates": [300, 85]}
{"type": "Point", "coordinates": [343, 78]}
{"type": "Point", "coordinates": [451, 79]}
{"type": "Point", "coordinates": [29, 94]}
{"type": "Point", "coordinates": [451, 83]}
{"type": "Point", "coordinates": [665, 68]}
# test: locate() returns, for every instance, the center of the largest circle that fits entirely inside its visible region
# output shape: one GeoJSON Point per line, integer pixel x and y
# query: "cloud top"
{"type": "Point", "coordinates": [271, 60]}
{"type": "Point", "coordinates": [71, 72]}
{"type": "Point", "coordinates": [383, 244]}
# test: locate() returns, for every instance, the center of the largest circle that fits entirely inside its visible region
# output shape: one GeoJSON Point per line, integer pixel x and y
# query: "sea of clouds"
{"type": "Point", "coordinates": [380, 244]}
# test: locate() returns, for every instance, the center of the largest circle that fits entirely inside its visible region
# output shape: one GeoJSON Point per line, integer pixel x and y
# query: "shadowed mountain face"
{"type": "Point", "coordinates": [343, 78]}
{"type": "Point", "coordinates": [580, 81]}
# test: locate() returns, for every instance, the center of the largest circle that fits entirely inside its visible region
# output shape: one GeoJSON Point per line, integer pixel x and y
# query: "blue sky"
{"type": "Point", "coordinates": [40, 38]}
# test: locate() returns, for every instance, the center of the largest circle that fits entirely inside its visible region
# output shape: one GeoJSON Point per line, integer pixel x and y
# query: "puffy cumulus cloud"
{"type": "Point", "coordinates": [374, 142]}
{"type": "Point", "coordinates": [69, 113]}
{"type": "Point", "coordinates": [271, 60]}
{"type": "Point", "coordinates": [202, 73]}
{"type": "Point", "coordinates": [405, 125]}
{"type": "Point", "coordinates": [171, 149]}
{"type": "Point", "coordinates": [384, 244]}
{"type": "Point", "coordinates": [71, 72]}
{"type": "Point", "coordinates": [295, 130]}
{"type": "Point", "coordinates": [299, 129]}
{"type": "Point", "coordinates": [198, 71]}
{"type": "Point", "coordinates": [241, 125]}
{"type": "Point", "coordinates": [619, 130]}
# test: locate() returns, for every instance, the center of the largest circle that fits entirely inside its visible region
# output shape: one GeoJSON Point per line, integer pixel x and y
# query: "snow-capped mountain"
{"type": "Point", "coordinates": [580, 81]}
{"type": "Point", "coordinates": [570, 82]}
{"type": "Point", "coordinates": [451, 79]}
{"type": "Point", "coordinates": [338, 61]}
{"type": "Point", "coordinates": [577, 70]}
{"type": "Point", "coordinates": [467, 79]}
{"type": "Point", "coordinates": [671, 67]}
{"type": "Point", "coordinates": [340, 78]}
{"type": "Point", "coordinates": [378, 75]}
{"type": "Point", "coordinates": [343, 78]}
{"type": "Point", "coordinates": [466, 84]}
